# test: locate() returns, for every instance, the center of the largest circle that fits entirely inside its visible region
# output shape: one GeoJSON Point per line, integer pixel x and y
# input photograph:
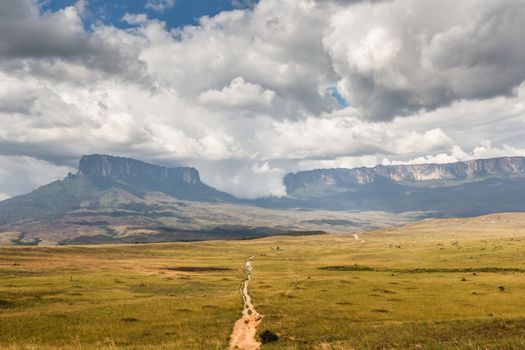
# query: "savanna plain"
{"type": "Point", "coordinates": [436, 284]}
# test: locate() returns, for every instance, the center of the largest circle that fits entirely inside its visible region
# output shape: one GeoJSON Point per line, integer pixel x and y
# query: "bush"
{"type": "Point", "coordinates": [268, 336]}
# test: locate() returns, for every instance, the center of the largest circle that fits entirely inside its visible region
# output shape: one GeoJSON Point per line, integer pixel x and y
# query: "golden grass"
{"type": "Point", "coordinates": [127, 297]}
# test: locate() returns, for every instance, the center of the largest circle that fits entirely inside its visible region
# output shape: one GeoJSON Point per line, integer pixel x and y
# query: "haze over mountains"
{"type": "Point", "coordinates": [467, 188]}
{"type": "Point", "coordinates": [116, 199]}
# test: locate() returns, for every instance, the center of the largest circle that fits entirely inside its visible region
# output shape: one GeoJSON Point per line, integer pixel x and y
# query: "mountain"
{"type": "Point", "coordinates": [115, 199]}
{"type": "Point", "coordinates": [100, 175]}
{"type": "Point", "coordinates": [122, 200]}
{"type": "Point", "coordinates": [455, 189]}
{"type": "Point", "coordinates": [460, 171]}
{"type": "Point", "coordinates": [140, 177]}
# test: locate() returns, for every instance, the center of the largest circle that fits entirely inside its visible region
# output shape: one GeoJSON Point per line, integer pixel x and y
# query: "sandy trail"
{"type": "Point", "coordinates": [244, 330]}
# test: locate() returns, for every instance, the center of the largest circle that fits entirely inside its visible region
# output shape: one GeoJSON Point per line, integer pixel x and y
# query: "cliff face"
{"type": "Point", "coordinates": [131, 170]}
{"type": "Point", "coordinates": [473, 169]}
{"type": "Point", "coordinates": [100, 176]}
{"type": "Point", "coordinates": [140, 177]}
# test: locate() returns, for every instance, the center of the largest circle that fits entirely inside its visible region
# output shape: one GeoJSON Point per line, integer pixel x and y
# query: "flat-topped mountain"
{"type": "Point", "coordinates": [472, 187]}
{"type": "Point", "coordinates": [138, 176]}
{"type": "Point", "coordinates": [116, 199]}
{"type": "Point", "coordinates": [469, 170]}
{"type": "Point", "coordinates": [100, 177]}
{"type": "Point", "coordinates": [131, 170]}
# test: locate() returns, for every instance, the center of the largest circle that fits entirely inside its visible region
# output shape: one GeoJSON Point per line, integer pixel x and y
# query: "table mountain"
{"type": "Point", "coordinates": [115, 199]}
{"type": "Point", "coordinates": [99, 175]}
{"type": "Point", "coordinates": [472, 187]}
{"type": "Point", "coordinates": [432, 174]}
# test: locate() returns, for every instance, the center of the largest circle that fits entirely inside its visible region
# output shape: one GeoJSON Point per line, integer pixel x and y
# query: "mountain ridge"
{"type": "Point", "coordinates": [464, 170]}
{"type": "Point", "coordinates": [118, 199]}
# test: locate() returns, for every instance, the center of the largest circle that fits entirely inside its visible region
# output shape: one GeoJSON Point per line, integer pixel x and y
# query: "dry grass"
{"type": "Point", "coordinates": [126, 297]}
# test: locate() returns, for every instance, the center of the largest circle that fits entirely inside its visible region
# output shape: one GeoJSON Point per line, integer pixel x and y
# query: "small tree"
{"type": "Point", "coordinates": [268, 336]}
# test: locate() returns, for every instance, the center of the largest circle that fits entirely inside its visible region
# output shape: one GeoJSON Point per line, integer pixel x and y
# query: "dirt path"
{"type": "Point", "coordinates": [244, 330]}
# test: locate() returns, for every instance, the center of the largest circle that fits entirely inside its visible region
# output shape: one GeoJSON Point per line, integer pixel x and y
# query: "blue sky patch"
{"type": "Point", "coordinates": [183, 12]}
{"type": "Point", "coordinates": [341, 101]}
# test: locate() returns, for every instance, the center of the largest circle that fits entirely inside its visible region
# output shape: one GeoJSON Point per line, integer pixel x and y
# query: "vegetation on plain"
{"type": "Point", "coordinates": [466, 293]}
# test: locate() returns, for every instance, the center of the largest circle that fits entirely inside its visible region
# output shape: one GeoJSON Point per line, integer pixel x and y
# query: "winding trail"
{"type": "Point", "coordinates": [245, 328]}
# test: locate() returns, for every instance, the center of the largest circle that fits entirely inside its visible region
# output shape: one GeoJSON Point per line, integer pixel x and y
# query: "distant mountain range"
{"type": "Point", "coordinates": [467, 188]}
{"type": "Point", "coordinates": [460, 171]}
{"type": "Point", "coordinates": [116, 199]}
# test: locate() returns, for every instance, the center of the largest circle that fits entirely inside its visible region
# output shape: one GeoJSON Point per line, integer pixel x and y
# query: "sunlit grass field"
{"type": "Point", "coordinates": [438, 284]}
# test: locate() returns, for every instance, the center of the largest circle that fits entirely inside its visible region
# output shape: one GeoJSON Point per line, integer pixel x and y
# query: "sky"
{"type": "Point", "coordinates": [248, 91]}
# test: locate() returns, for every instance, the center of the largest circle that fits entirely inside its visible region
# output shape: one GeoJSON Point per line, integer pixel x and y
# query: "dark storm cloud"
{"type": "Point", "coordinates": [34, 41]}
{"type": "Point", "coordinates": [406, 56]}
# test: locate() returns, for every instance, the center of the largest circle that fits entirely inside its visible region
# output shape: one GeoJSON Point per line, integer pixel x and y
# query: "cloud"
{"type": "Point", "coordinates": [19, 174]}
{"type": "Point", "coordinates": [16, 98]}
{"type": "Point", "coordinates": [239, 94]}
{"type": "Point", "coordinates": [249, 95]}
{"type": "Point", "coordinates": [135, 19]}
{"type": "Point", "coordinates": [265, 46]}
{"type": "Point", "coordinates": [55, 45]}
{"type": "Point", "coordinates": [159, 5]}
{"type": "Point", "coordinates": [483, 151]}
{"type": "Point", "coordinates": [345, 135]}
{"type": "Point", "coordinates": [244, 3]}
{"type": "Point", "coordinates": [244, 178]}
{"type": "Point", "coordinates": [400, 57]}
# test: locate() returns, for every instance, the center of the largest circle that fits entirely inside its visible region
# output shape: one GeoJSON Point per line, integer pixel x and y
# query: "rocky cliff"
{"type": "Point", "coordinates": [127, 169]}
{"type": "Point", "coordinates": [137, 176]}
{"type": "Point", "coordinates": [506, 167]}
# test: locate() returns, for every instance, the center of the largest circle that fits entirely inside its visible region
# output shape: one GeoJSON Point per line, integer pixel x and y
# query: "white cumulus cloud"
{"type": "Point", "coordinates": [159, 5]}
{"type": "Point", "coordinates": [239, 94]}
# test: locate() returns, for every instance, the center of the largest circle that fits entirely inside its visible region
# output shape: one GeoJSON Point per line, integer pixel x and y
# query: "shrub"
{"type": "Point", "coordinates": [268, 336]}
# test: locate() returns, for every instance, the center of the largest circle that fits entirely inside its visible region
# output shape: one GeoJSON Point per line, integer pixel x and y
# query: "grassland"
{"type": "Point", "coordinates": [438, 284]}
